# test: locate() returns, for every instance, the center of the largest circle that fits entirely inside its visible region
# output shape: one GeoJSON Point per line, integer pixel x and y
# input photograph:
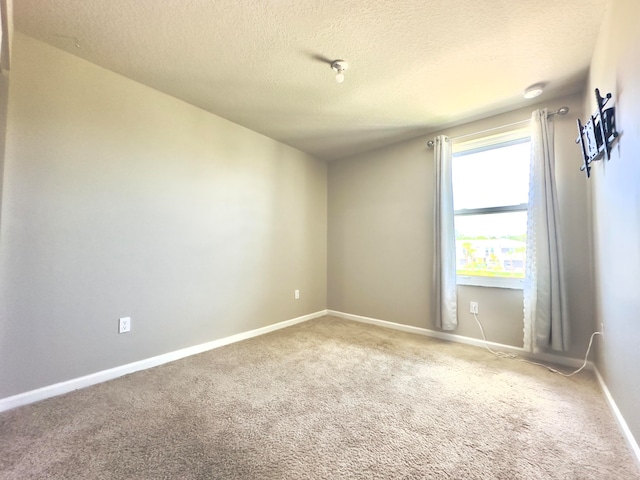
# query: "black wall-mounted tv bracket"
{"type": "Point", "coordinates": [597, 136]}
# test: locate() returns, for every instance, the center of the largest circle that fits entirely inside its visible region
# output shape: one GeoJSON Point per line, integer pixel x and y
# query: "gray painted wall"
{"type": "Point", "coordinates": [615, 190]}
{"type": "Point", "coordinates": [122, 201]}
{"type": "Point", "coordinates": [380, 237]}
{"type": "Point", "coordinates": [4, 100]}
{"type": "Point", "coordinates": [6, 9]}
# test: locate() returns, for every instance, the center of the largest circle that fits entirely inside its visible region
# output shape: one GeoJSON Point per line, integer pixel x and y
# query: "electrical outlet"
{"type": "Point", "coordinates": [124, 325]}
{"type": "Point", "coordinates": [473, 307]}
{"type": "Point", "coordinates": [296, 294]}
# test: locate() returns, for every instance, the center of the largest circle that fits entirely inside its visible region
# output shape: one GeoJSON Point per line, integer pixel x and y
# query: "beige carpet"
{"type": "Point", "coordinates": [324, 399]}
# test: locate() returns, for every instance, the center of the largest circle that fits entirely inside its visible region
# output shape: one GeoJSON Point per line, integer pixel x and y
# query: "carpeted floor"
{"type": "Point", "coordinates": [329, 399]}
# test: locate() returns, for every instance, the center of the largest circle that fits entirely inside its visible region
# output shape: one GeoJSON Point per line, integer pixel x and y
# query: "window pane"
{"type": "Point", "coordinates": [491, 245]}
{"type": "Point", "coordinates": [491, 178]}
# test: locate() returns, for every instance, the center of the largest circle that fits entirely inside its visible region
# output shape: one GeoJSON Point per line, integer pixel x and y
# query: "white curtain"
{"type": "Point", "coordinates": [546, 322]}
{"type": "Point", "coordinates": [445, 297]}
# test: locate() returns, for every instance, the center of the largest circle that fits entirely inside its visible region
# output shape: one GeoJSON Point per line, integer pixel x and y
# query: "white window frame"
{"type": "Point", "coordinates": [474, 146]}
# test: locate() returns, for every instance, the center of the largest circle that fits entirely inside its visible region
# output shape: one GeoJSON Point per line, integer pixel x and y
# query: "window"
{"type": "Point", "coordinates": [490, 195]}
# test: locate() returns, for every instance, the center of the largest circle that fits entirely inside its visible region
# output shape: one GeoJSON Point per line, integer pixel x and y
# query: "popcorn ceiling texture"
{"type": "Point", "coordinates": [416, 65]}
{"type": "Point", "coordinates": [327, 399]}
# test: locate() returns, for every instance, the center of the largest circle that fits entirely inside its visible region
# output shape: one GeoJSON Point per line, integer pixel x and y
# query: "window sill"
{"type": "Point", "coordinates": [493, 282]}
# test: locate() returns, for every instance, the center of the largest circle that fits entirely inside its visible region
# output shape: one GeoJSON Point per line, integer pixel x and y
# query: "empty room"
{"type": "Point", "coordinates": [294, 239]}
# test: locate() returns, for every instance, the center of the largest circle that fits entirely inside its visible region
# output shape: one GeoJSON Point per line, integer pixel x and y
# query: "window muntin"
{"type": "Point", "coordinates": [490, 191]}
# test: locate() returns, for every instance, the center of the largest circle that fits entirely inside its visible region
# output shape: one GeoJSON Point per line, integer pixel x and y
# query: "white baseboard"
{"type": "Point", "coordinates": [624, 428]}
{"type": "Point", "coordinates": [476, 342]}
{"type": "Point", "coordinates": [77, 383]}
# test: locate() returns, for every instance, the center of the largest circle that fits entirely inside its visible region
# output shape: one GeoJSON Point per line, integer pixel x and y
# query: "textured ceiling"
{"type": "Point", "coordinates": [415, 65]}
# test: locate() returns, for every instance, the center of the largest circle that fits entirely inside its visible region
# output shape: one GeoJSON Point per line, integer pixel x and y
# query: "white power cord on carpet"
{"type": "Point", "coordinates": [513, 356]}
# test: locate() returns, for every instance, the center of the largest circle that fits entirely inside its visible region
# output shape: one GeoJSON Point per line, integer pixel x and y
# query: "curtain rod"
{"type": "Point", "coordinates": [560, 111]}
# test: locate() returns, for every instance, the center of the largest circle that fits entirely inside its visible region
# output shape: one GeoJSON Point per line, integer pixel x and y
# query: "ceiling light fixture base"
{"type": "Point", "coordinates": [339, 66]}
{"type": "Point", "coordinates": [534, 90]}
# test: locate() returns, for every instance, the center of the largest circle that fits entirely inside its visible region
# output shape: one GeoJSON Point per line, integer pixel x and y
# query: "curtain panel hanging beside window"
{"type": "Point", "coordinates": [445, 291]}
{"type": "Point", "coordinates": [546, 320]}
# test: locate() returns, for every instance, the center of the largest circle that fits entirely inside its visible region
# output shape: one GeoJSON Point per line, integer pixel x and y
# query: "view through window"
{"type": "Point", "coordinates": [490, 195]}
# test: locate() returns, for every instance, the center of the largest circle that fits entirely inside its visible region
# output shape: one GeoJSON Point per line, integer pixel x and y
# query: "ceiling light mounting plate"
{"type": "Point", "coordinates": [339, 66]}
